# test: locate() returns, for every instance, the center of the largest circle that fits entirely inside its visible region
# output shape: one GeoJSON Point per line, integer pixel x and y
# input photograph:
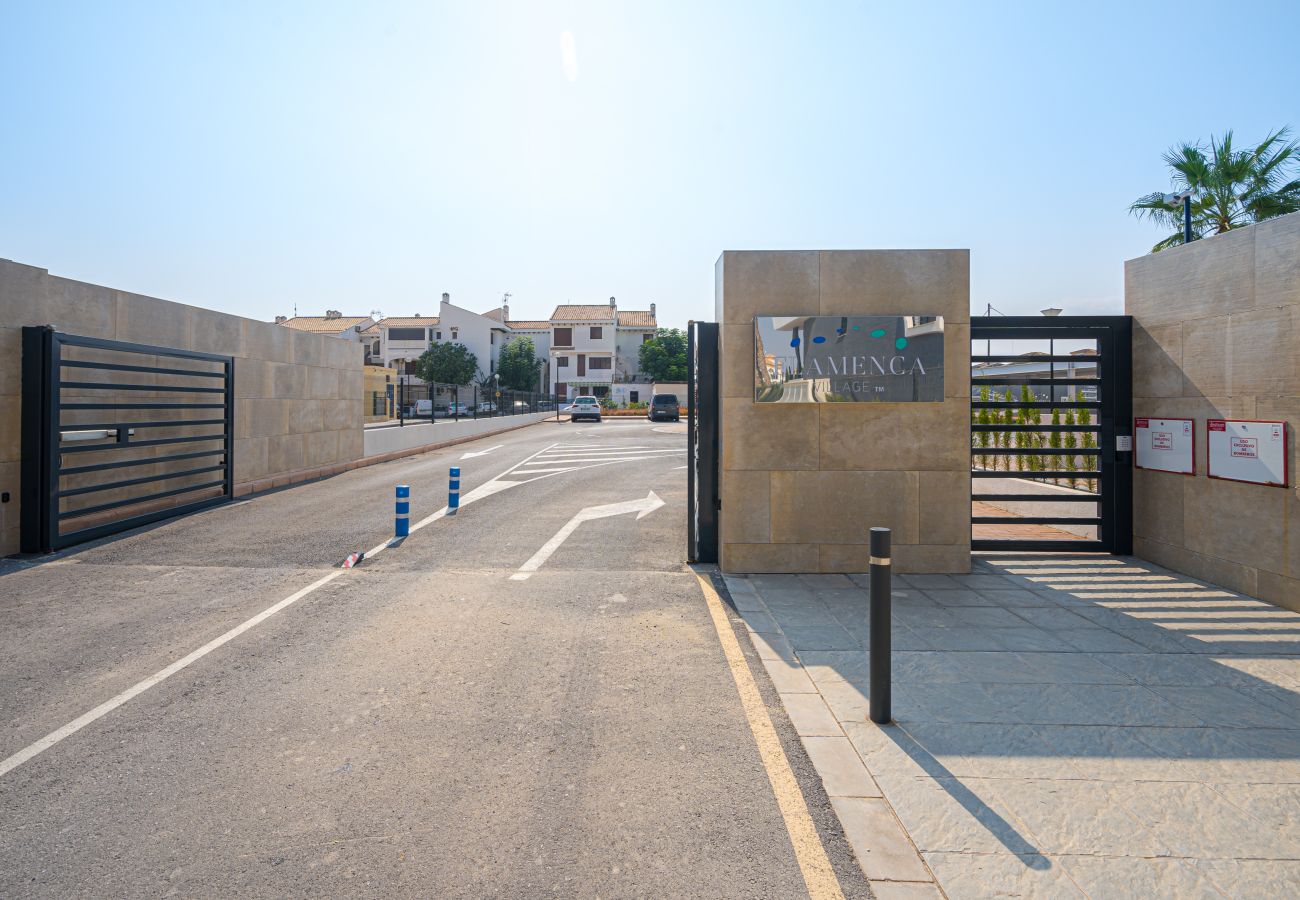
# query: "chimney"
{"type": "Point", "coordinates": [333, 314]}
{"type": "Point", "coordinates": [417, 315]}
{"type": "Point", "coordinates": [611, 303]}
{"type": "Point", "coordinates": [280, 320]}
{"type": "Point", "coordinates": [446, 297]}
{"type": "Point", "coordinates": [652, 310]}
{"type": "Point", "coordinates": [505, 312]}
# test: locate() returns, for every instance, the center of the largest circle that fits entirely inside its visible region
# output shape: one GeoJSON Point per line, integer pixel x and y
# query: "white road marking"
{"type": "Point", "coordinates": [45, 743]}
{"type": "Point", "coordinates": [495, 485]}
{"type": "Point", "coordinates": [482, 452]}
{"type": "Point", "coordinates": [675, 468]}
{"type": "Point", "coordinates": [642, 508]}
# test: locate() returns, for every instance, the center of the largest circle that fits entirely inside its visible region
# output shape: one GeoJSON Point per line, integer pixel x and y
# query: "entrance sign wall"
{"type": "Point", "coordinates": [805, 477]}
{"type": "Point", "coordinates": [855, 359]}
{"type": "Point", "coordinates": [1250, 451]}
{"type": "Point", "coordinates": [1165, 445]}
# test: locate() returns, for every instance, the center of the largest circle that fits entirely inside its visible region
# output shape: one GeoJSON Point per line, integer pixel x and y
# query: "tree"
{"type": "Point", "coordinates": [1230, 187]}
{"type": "Point", "coordinates": [982, 437]}
{"type": "Point", "coordinates": [447, 363]}
{"type": "Point", "coordinates": [1070, 442]}
{"type": "Point", "coordinates": [663, 357]}
{"type": "Point", "coordinates": [1090, 443]}
{"type": "Point", "coordinates": [518, 365]}
{"type": "Point", "coordinates": [1054, 441]}
{"type": "Point", "coordinates": [1008, 418]}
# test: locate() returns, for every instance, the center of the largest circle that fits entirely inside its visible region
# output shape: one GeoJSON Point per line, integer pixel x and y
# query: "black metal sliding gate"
{"type": "Point", "coordinates": [702, 417]}
{"type": "Point", "coordinates": [117, 435]}
{"type": "Point", "coordinates": [1065, 483]}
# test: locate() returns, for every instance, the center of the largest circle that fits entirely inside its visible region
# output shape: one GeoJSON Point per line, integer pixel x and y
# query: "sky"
{"type": "Point", "coordinates": [257, 157]}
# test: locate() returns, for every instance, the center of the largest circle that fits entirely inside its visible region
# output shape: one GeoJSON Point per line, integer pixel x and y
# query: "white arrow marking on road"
{"type": "Point", "coordinates": [642, 508]}
{"type": "Point", "coordinates": [482, 452]}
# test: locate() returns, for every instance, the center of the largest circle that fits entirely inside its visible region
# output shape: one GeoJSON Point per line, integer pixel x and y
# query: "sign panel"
{"type": "Point", "coordinates": [848, 359]}
{"type": "Point", "coordinates": [1166, 445]}
{"type": "Point", "coordinates": [1246, 450]}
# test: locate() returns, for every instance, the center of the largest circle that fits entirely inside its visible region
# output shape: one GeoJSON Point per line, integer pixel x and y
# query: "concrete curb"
{"type": "Point", "coordinates": [285, 479]}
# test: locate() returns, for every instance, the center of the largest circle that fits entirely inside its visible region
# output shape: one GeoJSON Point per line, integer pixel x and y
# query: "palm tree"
{"type": "Point", "coordinates": [1230, 187]}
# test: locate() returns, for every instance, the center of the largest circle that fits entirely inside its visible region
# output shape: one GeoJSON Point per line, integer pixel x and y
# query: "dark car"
{"type": "Point", "coordinates": [663, 406]}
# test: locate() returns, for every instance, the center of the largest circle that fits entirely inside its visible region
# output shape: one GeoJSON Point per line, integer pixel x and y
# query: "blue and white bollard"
{"type": "Point", "coordinates": [453, 491]}
{"type": "Point", "coordinates": [402, 523]}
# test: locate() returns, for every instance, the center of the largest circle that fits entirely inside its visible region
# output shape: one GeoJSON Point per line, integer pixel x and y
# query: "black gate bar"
{"type": "Point", "coordinates": [44, 433]}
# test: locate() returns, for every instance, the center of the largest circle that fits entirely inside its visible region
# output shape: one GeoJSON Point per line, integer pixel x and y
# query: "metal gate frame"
{"type": "Point", "coordinates": [702, 417]}
{"type": "Point", "coordinates": [1114, 337]}
{"type": "Point", "coordinates": [43, 368]}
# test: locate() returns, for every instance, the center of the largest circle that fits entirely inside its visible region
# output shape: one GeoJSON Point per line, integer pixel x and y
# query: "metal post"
{"type": "Point", "coordinates": [878, 698]}
{"type": "Point", "coordinates": [402, 521]}
{"type": "Point", "coordinates": [1187, 219]}
{"type": "Point", "coordinates": [453, 491]}
{"type": "Point", "coordinates": [401, 400]}
{"type": "Point", "coordinates": [455, 402]}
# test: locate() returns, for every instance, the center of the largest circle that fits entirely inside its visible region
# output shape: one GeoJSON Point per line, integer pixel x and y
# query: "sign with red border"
{"type": "Point", "coordinates": [1165, 445]}
{"type": "Point", "coordinates": [1249, 450]}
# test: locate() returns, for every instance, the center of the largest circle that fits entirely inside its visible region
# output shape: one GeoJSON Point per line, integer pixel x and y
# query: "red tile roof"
{"type": "Point", "coordinates": [323, 325]}
{"type": "Point", "coordinates": [635, 318]}
{"type": "Point", "coordinates": [580, 313]}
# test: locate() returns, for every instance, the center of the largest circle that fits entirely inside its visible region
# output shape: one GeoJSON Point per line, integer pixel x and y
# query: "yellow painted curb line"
{"type": "Point", "coordinates": [808, 850]}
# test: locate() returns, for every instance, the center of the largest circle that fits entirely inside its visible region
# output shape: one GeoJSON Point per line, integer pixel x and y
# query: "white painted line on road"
{"type": "Point", "coordinates": [482, 452]}
{"type": "Point", "coordinates": [642, 508]}
{"type": "Point", "coordinates": [675, 468]}
{"type": "Point", "coordinates": [818, 875]}
{"type": "Point", "coordinates": [45, 743]}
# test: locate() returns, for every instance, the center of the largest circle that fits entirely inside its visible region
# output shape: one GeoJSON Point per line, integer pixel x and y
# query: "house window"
{"type": "Point", "coordinates": [600, 362]}
{"type": "Point", "coordinates": [454, 334]}
{"type": "Point", "coordinates": [438, 334]}
{"type": "Point", "coordinates": [561, 362]}
{"type": "Point", "coordinates": [648, 336]}
{"type": "Point", "coordinates": [564, 337]}
{"type": "Point", "coordinates": [597, 332]}
{"type": "Point", "coordinates": [406, 334]}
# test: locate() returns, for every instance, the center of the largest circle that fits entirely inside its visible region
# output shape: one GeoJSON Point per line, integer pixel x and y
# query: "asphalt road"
{"type": "Point", "coordinates": [423, 725]}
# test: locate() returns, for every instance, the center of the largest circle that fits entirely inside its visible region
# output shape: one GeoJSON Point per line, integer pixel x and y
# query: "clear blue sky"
{"type": "Point", "coordinates": [359, 156]}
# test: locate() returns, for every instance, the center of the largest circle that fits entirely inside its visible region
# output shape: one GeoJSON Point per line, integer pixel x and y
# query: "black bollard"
{"type": "Point", "coordinates": [880, 626]}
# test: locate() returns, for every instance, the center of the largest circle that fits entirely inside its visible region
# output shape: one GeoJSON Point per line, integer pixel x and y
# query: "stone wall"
{"type": "Point", "coordinates": [801, 484]}
{"type": "Point", "coordinates": [298, 405]}
{"type": "Point", "coordinates": [1217, 335]}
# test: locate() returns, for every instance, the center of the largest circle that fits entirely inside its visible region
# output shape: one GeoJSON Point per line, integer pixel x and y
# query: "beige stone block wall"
{"type": "Point", "coordinates": [298, 407]}
{"type": "Point", "coordinates": [1217, 335]}
{"type": "Point", "coordinates": [802, 484]}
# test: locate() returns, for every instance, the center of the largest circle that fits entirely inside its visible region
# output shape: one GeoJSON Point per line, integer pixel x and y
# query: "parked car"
{"type": "Point", "coordinates": [584, 408]}
{"type": "Point", "coordinates": [545, 404]}
{"type": "Point", "coordinates": [663, 406]}
{"type": "Point", "coordinates": [420, 409]}
{"type": "Point", "coordinates": [454, 409]}
{"type": "Point", "coordinates": [487, 406]}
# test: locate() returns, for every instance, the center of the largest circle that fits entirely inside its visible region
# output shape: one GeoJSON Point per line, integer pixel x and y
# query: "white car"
{"type": "Point", "coordinates": [584, 408]}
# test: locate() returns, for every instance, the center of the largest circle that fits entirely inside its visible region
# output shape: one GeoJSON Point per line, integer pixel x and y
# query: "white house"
{"type": "Point", "coordinates": [539, 330]}
{"type": "Point", "coordinates": [401, 340]}
{"type": "Point", "coordinates": [594, 347]}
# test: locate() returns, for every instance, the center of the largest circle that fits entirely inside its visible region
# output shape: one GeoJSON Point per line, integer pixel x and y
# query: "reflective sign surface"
{"type": "Point", "coordinates": [848, 359]}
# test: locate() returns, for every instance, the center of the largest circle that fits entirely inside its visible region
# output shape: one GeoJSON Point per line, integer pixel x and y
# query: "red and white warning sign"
{"type": "Point", "coordinates": [1250, 451]}
{"type": "Point", "coordinates": [1166, 445]}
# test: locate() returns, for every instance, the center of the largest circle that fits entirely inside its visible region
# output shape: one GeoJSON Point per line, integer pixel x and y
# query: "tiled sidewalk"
{"type": "Point", "coordinates": [1065, 726]}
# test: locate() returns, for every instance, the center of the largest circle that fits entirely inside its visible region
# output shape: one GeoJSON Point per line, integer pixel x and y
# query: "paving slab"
{"type": "Point", "coordinates": [1064, 726]}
